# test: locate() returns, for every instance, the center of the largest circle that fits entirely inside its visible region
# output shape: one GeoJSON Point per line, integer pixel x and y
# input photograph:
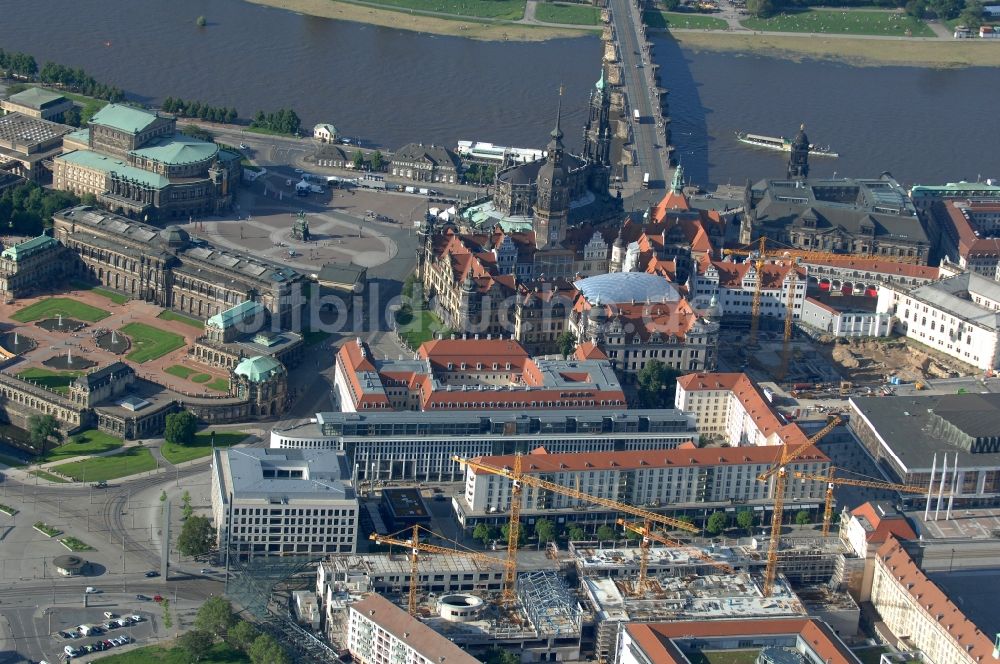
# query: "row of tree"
{"type": "Point", "coordinates": [283, 121]}
{"type": "Point", "coordinates": [375, 161]}
{"type": "Point", "coordinates": [545, 531]}
{"type": "Point", "coordinates": [80, 81]}
{"type": "Point", "coordinates": [18, 65]}
{"type": "Point", "coordinates": [27, 209]}
{"type": "Point", "coordinates": [970, 11]}
{"type": "Point", "coordinates": [216, 621]}
{"type": "Point", "coordinates": [196, 109]}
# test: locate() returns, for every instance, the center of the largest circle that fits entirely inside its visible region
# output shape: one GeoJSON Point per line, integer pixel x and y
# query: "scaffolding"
{"type": "Point", "coordinates": [549, 604]}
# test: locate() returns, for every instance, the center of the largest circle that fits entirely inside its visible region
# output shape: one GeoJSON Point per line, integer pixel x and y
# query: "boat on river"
{"type": "Point", "coordinates": [781, 144]}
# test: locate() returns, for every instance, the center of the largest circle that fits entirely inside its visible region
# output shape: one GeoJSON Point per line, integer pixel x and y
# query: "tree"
{"type": "Point", "coordinates": [566, 343]}
{"type": "Point", "coordinates": [265, 650]}
{"type": "Point", "coordinates": [231, 115]}
{"type": "Point", "coordinates": [89, 110]}
{"type": "Point", "coordinates": [163, 496]}
{"type": "Point", "coordinates": [196, 644]}
{"type": "Point", "coordinates": [657, 383]}
{"type": "Point", "coordinates": [497, 655]}
{"type": "Point", "coordinates": [186, 510]}
{"type": "Point", "coordinates": [575, 533]}
{"type": "Point", "coordinates": [606, 532]}
{"type": "Point", "coordinates": [717, 522]}
{"type": "Point", "coordinates": [215, 616]}
{"type": "Point", "coordinates": [180, 427]}
{"type": "Point", "coordinates": [197, 536]}
{"type": "Point", "coordinates": [40, 429]}
{"type": "Point", "coordinates": [377, 160]}
{"type": "Point", "coordinates": [505, 534]}
{"type": "Point", "coordinates": [484, 533]}
{"type": "Point", "coordinates": [359, 160]}
{"type": "Point", "coordinates": [242, 635]}
{"type": "Point", "coordinates": [802, 518]}
{"type": "Point", "coordinates": [545, 530]}
{"type": "Point", "coordinates": [760, 8]}
{"type": "Point", "coordinates": [972, 16]}
{"type": "Point", "coordinates": [745, 520]}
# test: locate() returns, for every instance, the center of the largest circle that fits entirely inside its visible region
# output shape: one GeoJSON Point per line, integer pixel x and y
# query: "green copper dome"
{"type": "Point", "coordinates": [258, 369]}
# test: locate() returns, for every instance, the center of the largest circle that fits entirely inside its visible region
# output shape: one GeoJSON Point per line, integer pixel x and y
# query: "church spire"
{"type": "Point", "coordinates": [678, 183]}
{"type": "Point", "coordinates": [557, 134]}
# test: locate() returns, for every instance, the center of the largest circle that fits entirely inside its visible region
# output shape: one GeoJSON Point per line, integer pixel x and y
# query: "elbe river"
{"type": "Point", "coordinates": [391, 87]}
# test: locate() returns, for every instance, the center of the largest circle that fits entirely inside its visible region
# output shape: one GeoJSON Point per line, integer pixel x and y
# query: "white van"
{"type": "Point", "coordinates": [86, 630]}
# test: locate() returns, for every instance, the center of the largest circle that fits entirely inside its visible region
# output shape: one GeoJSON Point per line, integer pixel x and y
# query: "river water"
{"type": "Point", "coordinates": [391, 86]}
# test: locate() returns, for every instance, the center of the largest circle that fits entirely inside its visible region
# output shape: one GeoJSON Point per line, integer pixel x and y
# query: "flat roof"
{"type": "Point", "coordinates": [277, 475]}
{"type": "Point", "coordinates": [907, 426]}
{"type": "Point", "coordinates": [405, 503]}
{"type": "Point", "coordinates": [19, 129]}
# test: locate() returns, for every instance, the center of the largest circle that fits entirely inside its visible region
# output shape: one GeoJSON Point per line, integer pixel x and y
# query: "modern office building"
{"type": "Point", "coordinates": [269, 502]}
{"type": "Point", "coordinates": [379, 632]}
{"type": "Point", "coordinates": [946, 441]}
{"type": "Point", "coordinates": [419, 445]}
{"type": "Point", "coordinates": [471, 374]}
{"type": "Point", "coordinates": [684, 480]}
{"type": "Point", "coordinates": [958, 316]}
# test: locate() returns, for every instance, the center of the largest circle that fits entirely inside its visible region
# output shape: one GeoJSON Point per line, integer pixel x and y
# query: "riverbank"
{"type": "Point", "coordinates": [854, 50]}
{"type": "Point", "coordinates": [469, 27]}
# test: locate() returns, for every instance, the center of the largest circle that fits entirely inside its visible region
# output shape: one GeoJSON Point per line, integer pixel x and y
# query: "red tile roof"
{"type": "Point", "coordinates": [935, 602]}
{"type": "Point", "coordinates": [751, 397]}
{"type": "Point", "coordinates": [589, 351]}
{"type": "Point", "coordinates": [472, 352]}
{"type": "Point", "coordinates": [877, 266]}
{"type": "Point", "coordinates": [656, 639]}
{"type": "Point", "coordinates": [884, 525]}
{"type": "Point", "coordinates": [731, 274]}
{"type": "Point", "coordinates": [630, 460]}
{"type": "Point", "coordinates": [962, 228]}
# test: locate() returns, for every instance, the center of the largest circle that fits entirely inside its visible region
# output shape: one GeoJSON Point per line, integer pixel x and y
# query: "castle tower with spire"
{"type": "Point", "coordinates": [597, 135]}
{"type": "Point", "coordinates": [552, 203]}
{"type": "Point", "coordinates": [798, 158]}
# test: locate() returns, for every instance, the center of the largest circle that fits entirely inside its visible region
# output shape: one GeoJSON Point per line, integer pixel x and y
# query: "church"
{"type": "Point", "coordinates": [559, 190]}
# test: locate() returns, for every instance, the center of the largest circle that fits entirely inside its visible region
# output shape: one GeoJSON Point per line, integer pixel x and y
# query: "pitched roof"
{"type": "Point", "coordinates": [105, 164]}
{"type": "Point", "coordinates": [435, 154]}
{"type": "Point", "coordinates": [394, 620]}
{"type": "Point", "coordinates": [656, 639]}
{"type": "Point", "coordinates": [883, 524]}
{"type": "Point", "coordinates": [958, 220]}
{"type": "Point", "coordinates": [178, 150]}
{"type": "Point", "coordinates": [934, 602]}
{"type": "Point", "coordinates": [124, 118]}
{"type": "Point", "coordinates": [634, 459]}
{"type": "Point", "coordinates": [877, 266]}
{"type": "Point", "coordinates": [731, 274]}
{"type": "Point", "coordinates": [233, 315]}
{"type": "Point", "coordinates": [589, 351]}
{"type": "Point", "coordinates": [752, 399]}
{"type": "Point", "coordinates": [36, 98]}
{"type": "Point", "coordinates": [442, 352]}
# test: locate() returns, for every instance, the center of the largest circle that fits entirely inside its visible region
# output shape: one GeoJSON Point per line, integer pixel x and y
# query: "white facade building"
{"type": "Point", "coordinates": [958, 316]}
{"type": "Point", "coordinates": [325, 132]}
{"type": "Point", "coordinates": [730, 286]}
{"type": "Point", "coordinates": [731, 407]}
{"type": "Point", "coordinates": [686, 477]}
{"type": "Point", "coordinates": [379, 632]}
{"type": "Point", "coordinates": [845, 321]}
{"type": "Point", "coordinates": [283, 502]}
{"type": "Point", "coordinates": [914, 608]}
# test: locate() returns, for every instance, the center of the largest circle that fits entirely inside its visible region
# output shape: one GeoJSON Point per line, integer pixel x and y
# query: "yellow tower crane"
{"type": "Point", "coordinates": [648, 535]}
{"type": "Point", "coordinates": [519, 478]}
{"type": "Point", "coordinates": [778, 470]}
{"type": "Point", "coordinates": [831, 481]}
{"type": "Point", "coordinates": [414, 545]}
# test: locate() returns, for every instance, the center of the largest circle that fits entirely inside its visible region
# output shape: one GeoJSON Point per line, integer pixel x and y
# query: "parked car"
{"type": "Point", "coordinates": [91, 589]}
{"type": "Point", "coordinates": [109, 625]}
{"type": "Point", "coordinates": [157, 598]}
{"type": "Point", "coordinates": [110, 614]}
{"type": "Point", "coordinates": [205, 570]}
{"type": "Point", "coordinates": [152, 573]}
{"type": "Point", "coordinates": [136, 617]}
{"type": "Point", "coordinates": [142, 598]}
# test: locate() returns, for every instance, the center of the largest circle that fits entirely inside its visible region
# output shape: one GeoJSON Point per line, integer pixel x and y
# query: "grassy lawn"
{"type": "Point", "coordinates": [73, 544]}
{"type": "Point", "coordinates": [416, 327]}
{"type": "Point", "coordinates": [87, 442]}
{"type": "Point", "coordinates": [835, 21]}
{"type": "Point", "coordinates": [511, 10]}
{"type": "Point", "coordinates": [181, 318]}
{"type": "Point", "coordinates": [51, 307]}
{"type": "Point", "coordinates": [201, 378]}
{"type": "Point", "coordinates": [725, 657]}
{"type": "Point", "coordinates": [268, 132]}
{"type": "Point", "coordinates": [117, 298]}
{"type": "Point", "coordinates": [572, 14]}
{"type": "Point", "coordinates": [219, 654]}
{"type": "Point", "coordinates": [180, 371]}
{"type": "Point", "coordinates": [683, 20]}
{"type": "Point", "coordinates": [219, 385]}
{"type": "Point", "coordinates": [57, 381]}
{"type": "Point", "coordinates": [201, 447]}
{"type": "Point", "coordinates": [131, 461]}
{"type": "Point", "coordinates": [48, 476]}
{"type": "Point", "coordinates": [150, 343]}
